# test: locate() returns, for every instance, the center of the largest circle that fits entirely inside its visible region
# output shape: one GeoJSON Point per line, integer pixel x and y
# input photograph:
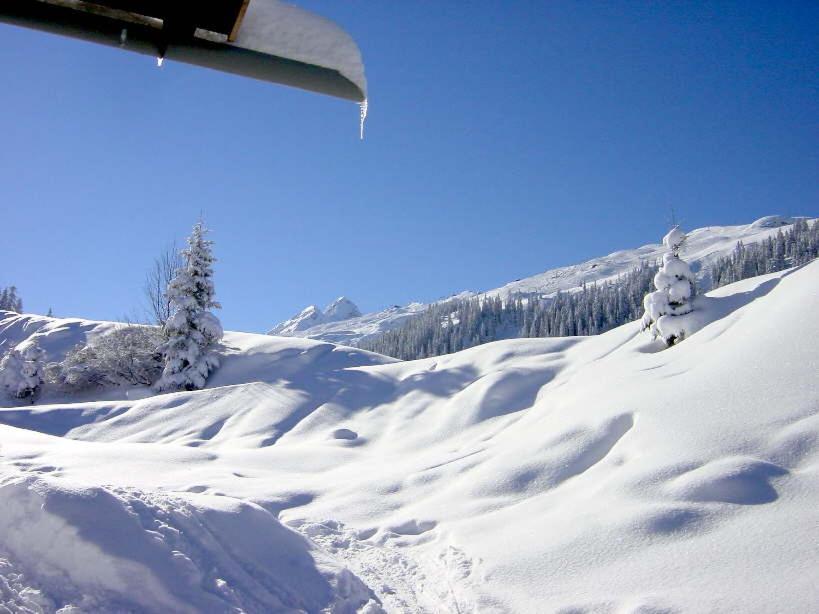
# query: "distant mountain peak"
{"type": "Point", "coordinates": [339, 310]}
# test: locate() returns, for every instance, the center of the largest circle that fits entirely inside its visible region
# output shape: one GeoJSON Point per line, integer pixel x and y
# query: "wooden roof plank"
{"type": "Point", "coordinates": [234, 32]}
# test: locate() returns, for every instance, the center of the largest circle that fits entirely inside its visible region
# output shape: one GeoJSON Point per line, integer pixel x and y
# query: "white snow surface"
{"type": "Point", "coordinates": [590, 474]}
{"type": "Point", "coordinates": [702, 248]}
{"type": "Point", "coordinates": [291, 32]}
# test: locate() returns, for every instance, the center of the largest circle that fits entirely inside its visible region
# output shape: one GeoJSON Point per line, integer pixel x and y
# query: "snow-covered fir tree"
{"type": "Point", "coordinates": [10, 301]}
{"type": "Point", "coordinates": [21, 371]}
{"type": "Point", "coordinates": [192, 331]}
{"type": "Point", "coordinates": [673, 295]}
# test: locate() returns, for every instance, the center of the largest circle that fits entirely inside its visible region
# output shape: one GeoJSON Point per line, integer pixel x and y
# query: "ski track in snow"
{"type": "Point", "coordinates": [442, 580]}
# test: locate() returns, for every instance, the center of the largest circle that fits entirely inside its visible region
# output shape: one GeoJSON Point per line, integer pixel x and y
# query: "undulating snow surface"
{"type": "Point", "coordinates": [704, 247]}
{"type": "Point", "coordinates": [281, 29]}
{"type": "Point", "coordinates": [597, 474]}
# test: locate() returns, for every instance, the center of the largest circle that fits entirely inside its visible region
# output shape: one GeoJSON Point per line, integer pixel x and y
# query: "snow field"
{"type": "Point", "coordinates": [599, 474]}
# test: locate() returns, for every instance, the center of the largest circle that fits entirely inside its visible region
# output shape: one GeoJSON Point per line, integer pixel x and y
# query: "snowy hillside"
{"type": "Point", "coordinates": [587, 474]}
{"type": "Point", "coordinates": [705, 246]}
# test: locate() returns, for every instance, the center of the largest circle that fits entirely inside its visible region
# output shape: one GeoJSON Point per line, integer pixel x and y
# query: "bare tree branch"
{"type": "Point", "coordinates": [156, 283]}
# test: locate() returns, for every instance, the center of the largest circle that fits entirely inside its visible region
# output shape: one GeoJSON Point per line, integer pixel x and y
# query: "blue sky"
{"type": "Point", "coordinates": [504, 139]}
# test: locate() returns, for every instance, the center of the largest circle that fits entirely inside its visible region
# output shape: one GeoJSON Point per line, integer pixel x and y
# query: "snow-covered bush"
{"type": "Point", "coordinates": [125, 356]}
{"type": "Point", "coordinates": [21, 370]}
{"type": "Point", "coordinates": [674, 293]}
{"type": "Point", "coordinates": [192, 331]}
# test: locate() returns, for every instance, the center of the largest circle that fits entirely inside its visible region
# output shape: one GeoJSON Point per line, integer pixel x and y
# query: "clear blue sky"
{"type": "Point", "coordinates": [504, 139]}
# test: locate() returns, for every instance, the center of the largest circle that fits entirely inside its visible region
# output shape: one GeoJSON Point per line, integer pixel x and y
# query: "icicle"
{"type": "Point", "coordinates": [159, 61]}
{"type": "Point", "coordinates": [363, 115]}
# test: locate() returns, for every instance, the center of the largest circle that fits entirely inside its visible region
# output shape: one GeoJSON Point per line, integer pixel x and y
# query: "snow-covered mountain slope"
{"type": "Point", "coordinates": [594, 474]}
{"type": "Point", "coordinates": [704, 247]}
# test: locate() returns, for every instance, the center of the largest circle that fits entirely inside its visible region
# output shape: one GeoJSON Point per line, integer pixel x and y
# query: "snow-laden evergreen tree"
{"type": "Point", "coordinates": [21, 371]}
{"type": "Point", "coordinates": [192, 331]}
{"type": "Point", "coordinates": [674, 293]}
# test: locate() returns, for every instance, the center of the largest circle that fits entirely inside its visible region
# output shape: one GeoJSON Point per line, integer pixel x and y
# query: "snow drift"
{"type": "Point", "coordinates": [598, 474]}
{"type": "Point", "coordinates": [109, 548]}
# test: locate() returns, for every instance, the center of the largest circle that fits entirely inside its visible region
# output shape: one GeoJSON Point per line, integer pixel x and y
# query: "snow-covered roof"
{"type": "Point", "coordinates": [262, 39]}
{"type": "Point", "coordinates": [287, 31]}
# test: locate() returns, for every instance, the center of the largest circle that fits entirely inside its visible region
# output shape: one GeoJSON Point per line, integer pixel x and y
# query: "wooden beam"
{"type": "Point", "coordinates": [238, 24]}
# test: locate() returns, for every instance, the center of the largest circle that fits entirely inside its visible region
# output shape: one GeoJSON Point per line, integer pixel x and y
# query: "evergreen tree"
{"type": "Point", "coordinates": [675, 290]}
{"type": "Point", "coordinates": [10, 301]}
{"type": "Point", "coordinates": [192, 331]}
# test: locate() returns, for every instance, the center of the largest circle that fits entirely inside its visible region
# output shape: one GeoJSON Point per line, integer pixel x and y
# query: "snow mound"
{"type": "Point", "coordinates": [106, 549]}
{"type": "Point", "coordinates": [55, 336]}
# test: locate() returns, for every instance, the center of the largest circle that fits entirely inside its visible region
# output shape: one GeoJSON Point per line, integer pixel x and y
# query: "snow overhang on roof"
{"type": "Point", "coordinates": [262, 39]}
